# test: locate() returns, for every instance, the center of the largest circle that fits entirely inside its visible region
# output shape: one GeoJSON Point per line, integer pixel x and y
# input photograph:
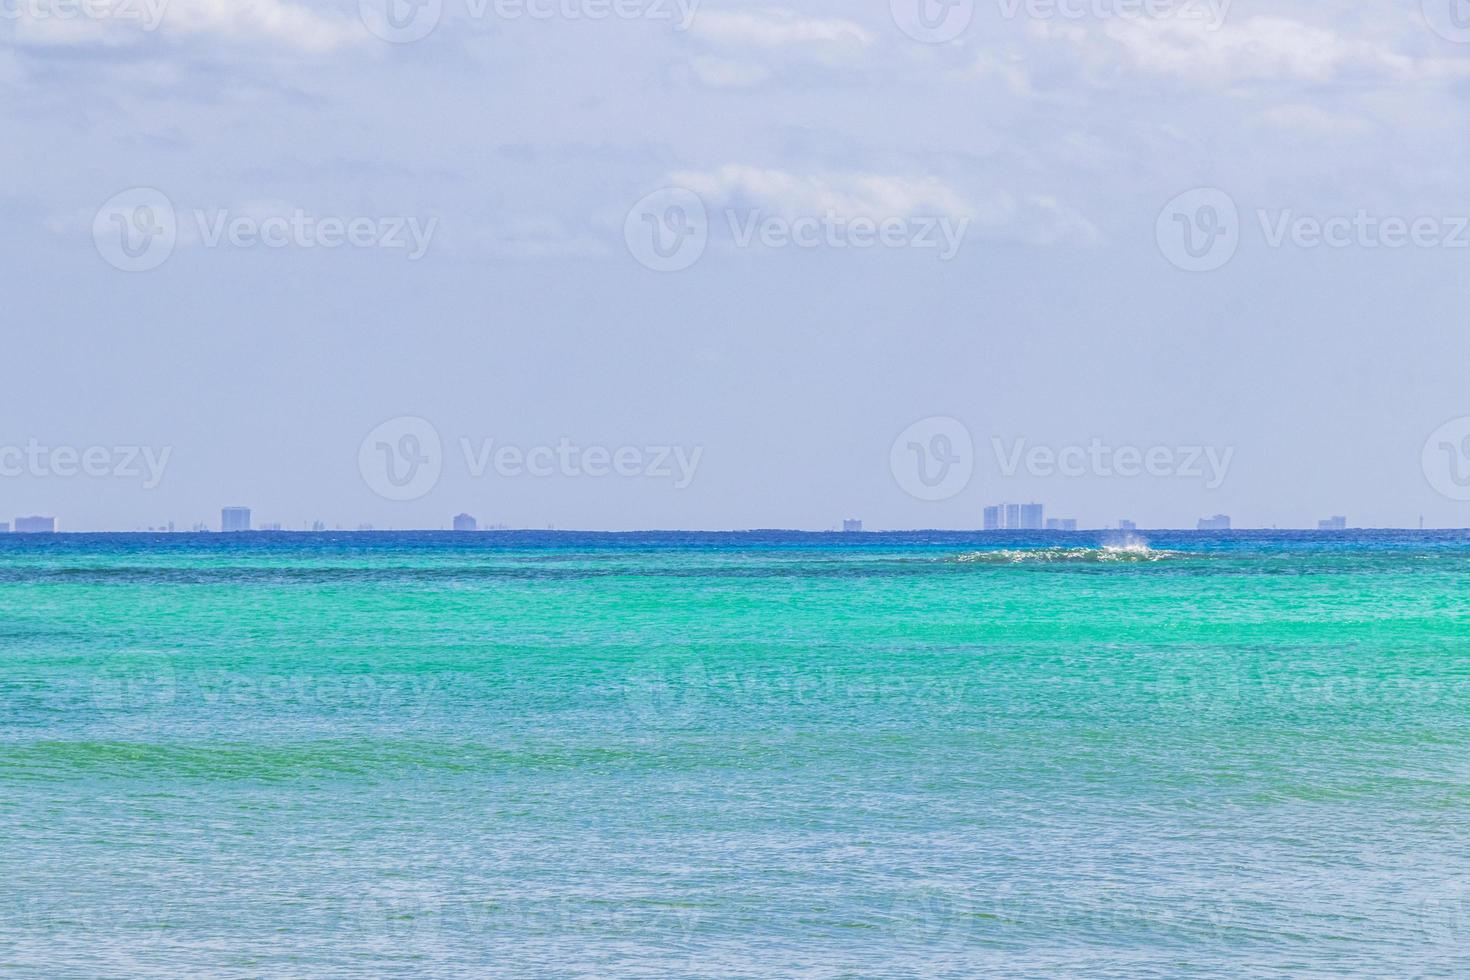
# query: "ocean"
{"type": "Point", "coordinates": [747, 754]}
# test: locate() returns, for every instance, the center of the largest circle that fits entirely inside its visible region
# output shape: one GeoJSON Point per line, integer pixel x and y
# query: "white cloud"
{"type": "Point", "coordinates": [1264, 49]}
{"type": "Point", "coordinates": [777, 28]}
{"type": "Point", "coordinates": [1311, 121]}
{"type": "Point", "coordinates": [48, 22]}
{"type": "Point", "coordinates": [291, 25]}
{"type": "Point", "coordinates": [1037, 219]}
{"type": "Point", "coordinates": [729, 73]}
{"type": "Point", "coordinates": [846, 195]}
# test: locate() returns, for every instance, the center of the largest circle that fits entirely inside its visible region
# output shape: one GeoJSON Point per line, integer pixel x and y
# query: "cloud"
{"type": "Point", "coordinates": [729, 73]}
{"type": "Point", "coordinates": [291, 26]}
{"type": "Point", "coordinates": [1036, 219]}
{"type": "Point", "coordinates": [1312, 122]}
{"type": "Point", "coordinates": [287, 24]}
{"type": "Point", "coordinates": [846, 195]}
{"type": "Point", "coordinates": [1264, 49]}
{"type": "Point", "coordinates": [779, 29]}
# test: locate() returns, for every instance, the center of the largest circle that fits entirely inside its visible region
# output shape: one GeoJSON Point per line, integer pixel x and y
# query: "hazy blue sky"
{"type": "Point", "coordinates": [1051, 140]}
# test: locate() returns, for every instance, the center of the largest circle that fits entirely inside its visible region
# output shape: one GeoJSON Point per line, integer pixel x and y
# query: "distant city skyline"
{"type": "Point", "coordinates": [996, 517]}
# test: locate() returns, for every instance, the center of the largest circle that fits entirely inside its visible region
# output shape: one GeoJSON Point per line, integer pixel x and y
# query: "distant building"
{"type": "Point", "coordinates": [1127, 526]}
{"type": "Point", "coordinates": [35, 525]}
{"type": "Point", "coordinates": [1333, 524]}
{"type": "Point", "coordinates": [1015, 517]}
{"type": "Point", "coordinates": [1220, 522]}
{"type": "Point", "coordinates": [851, 526]}
{"type": "Point", "coordinates": [234, 519]}
{"type": "Point", "coordinates": [1061, 524]}
{"type": "Point", "coordinates": [274, 526]}
{"type": "Point", "coordinates": [464, 522]}
{"type": "Point", "coordinates": [318, 526]}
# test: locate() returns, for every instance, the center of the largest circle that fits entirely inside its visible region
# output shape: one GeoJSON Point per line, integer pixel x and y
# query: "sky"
{"type": "Point", "coordinates": [621, 264]}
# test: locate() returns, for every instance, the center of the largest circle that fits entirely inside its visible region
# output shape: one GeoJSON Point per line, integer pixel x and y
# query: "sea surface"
{"type": "Point", "coordinates": [754, 754]}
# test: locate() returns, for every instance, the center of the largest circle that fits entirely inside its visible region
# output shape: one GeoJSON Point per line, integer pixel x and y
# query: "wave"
{"type": "Point", "coordinates": [1126, 552]}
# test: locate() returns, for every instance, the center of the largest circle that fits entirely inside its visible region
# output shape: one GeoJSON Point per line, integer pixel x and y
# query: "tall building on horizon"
{"type": "Point", "coordinates": [1333, 524]}
{"type": "Point", "coordinates": [35, 525]}
{"type": "Point", "coordinates": [464, 522]}
{"type": "Point", "coordinates": [1220, 522]}
{"type": "Point", "coordinates": [234, 519]}
{"type": "Point", "coordinates": [1061, 523]}
{"type": "Point", "coordinates": [852, 526]}
{"type": "Point", "coordinates": [1127, 525]}
{"type": "Point", "coordinates": [1015, 517]}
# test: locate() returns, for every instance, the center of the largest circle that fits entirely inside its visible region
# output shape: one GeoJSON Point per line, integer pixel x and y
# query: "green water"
{"type": "Point", "coordinates": [511, 754]}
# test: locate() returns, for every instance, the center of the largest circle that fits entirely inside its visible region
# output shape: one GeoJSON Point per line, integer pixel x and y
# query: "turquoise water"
{"type": "Point", "coordinates": [734, 755]}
